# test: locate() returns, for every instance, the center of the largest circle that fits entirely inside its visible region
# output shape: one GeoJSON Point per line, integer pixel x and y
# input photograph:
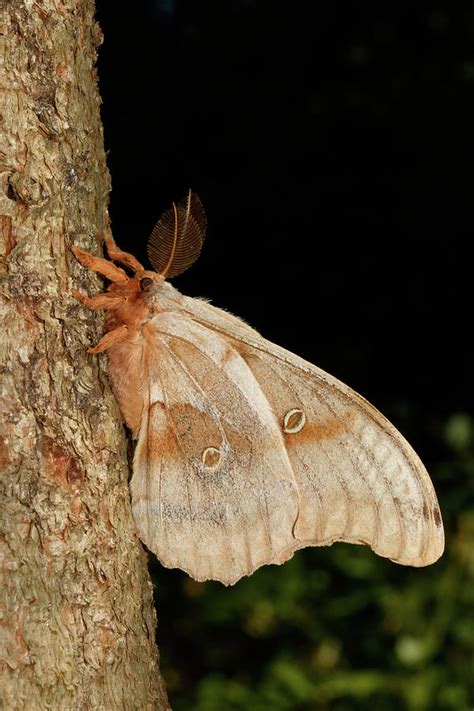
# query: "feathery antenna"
{"type": "Point", "coordinates": [177, 237]}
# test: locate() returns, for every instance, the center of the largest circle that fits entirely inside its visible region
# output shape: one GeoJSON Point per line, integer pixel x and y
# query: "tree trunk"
{"type": "Point", "coordinates": [76, 616]}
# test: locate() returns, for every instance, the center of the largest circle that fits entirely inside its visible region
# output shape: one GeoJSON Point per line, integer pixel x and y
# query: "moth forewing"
{"type": "Point", "coordinates": [224, 472]}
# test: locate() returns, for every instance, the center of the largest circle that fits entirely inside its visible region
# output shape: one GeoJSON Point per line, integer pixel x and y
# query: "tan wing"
{"type": "Point", "coordinates": [213, 491]}
{"type": "Point", "coordinates": [358, 479]}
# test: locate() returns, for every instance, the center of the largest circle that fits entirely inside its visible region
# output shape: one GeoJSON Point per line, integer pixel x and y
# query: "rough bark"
{"type": "Point", "coordinates": [76, 616]}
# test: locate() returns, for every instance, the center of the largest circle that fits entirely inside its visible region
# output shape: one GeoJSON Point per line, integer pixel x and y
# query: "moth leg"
{"type": "Point", "coordinates": [110, 339]}
{"type": "Point", "coordinates": [100, 265]}
{"type": "Point", "coordinates": [98, 301]}
{"type": "Point", "coordinates": [118, 256]}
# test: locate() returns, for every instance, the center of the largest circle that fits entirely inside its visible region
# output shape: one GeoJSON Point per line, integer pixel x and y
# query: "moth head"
{"type": "Point", "coordinates": [146, 279]}
{"type": "Point", "coordinates": [135, 290]}
{"type": "Point", "coordinates": [147, 284]}
{"type": "Point", "coordinates": [141, 288]}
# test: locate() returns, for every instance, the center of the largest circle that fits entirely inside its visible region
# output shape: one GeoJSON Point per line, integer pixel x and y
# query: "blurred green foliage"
{"type": "Point", "coordinates": [335, 628]}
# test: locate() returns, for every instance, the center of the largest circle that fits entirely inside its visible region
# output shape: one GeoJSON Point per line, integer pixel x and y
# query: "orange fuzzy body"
{"type": "Point", "coordinates": [129, 306]}
{"type": "Point", "coordinates": [129, 358]}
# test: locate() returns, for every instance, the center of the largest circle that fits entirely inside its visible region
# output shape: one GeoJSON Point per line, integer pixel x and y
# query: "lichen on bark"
{"type": "Point", "coordinates": [76, 616]}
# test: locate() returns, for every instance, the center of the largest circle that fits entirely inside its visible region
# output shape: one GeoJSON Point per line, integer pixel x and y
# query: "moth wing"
{"type": "Point", "coordinates": [213, 491]}
{"type": "Point", "coordinates": [358, 479]}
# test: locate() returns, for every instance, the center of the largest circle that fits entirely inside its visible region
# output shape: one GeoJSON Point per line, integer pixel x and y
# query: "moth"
{"type": "Point", "coordinates": [245, 451]}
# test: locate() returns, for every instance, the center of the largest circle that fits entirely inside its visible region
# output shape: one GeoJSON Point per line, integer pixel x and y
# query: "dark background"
{"type": "Point", "coordinates": [332, 147]}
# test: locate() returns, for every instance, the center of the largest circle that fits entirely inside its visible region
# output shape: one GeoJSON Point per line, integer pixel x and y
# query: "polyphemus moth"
{"type": "Point", "coordinates": [245, 452]}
